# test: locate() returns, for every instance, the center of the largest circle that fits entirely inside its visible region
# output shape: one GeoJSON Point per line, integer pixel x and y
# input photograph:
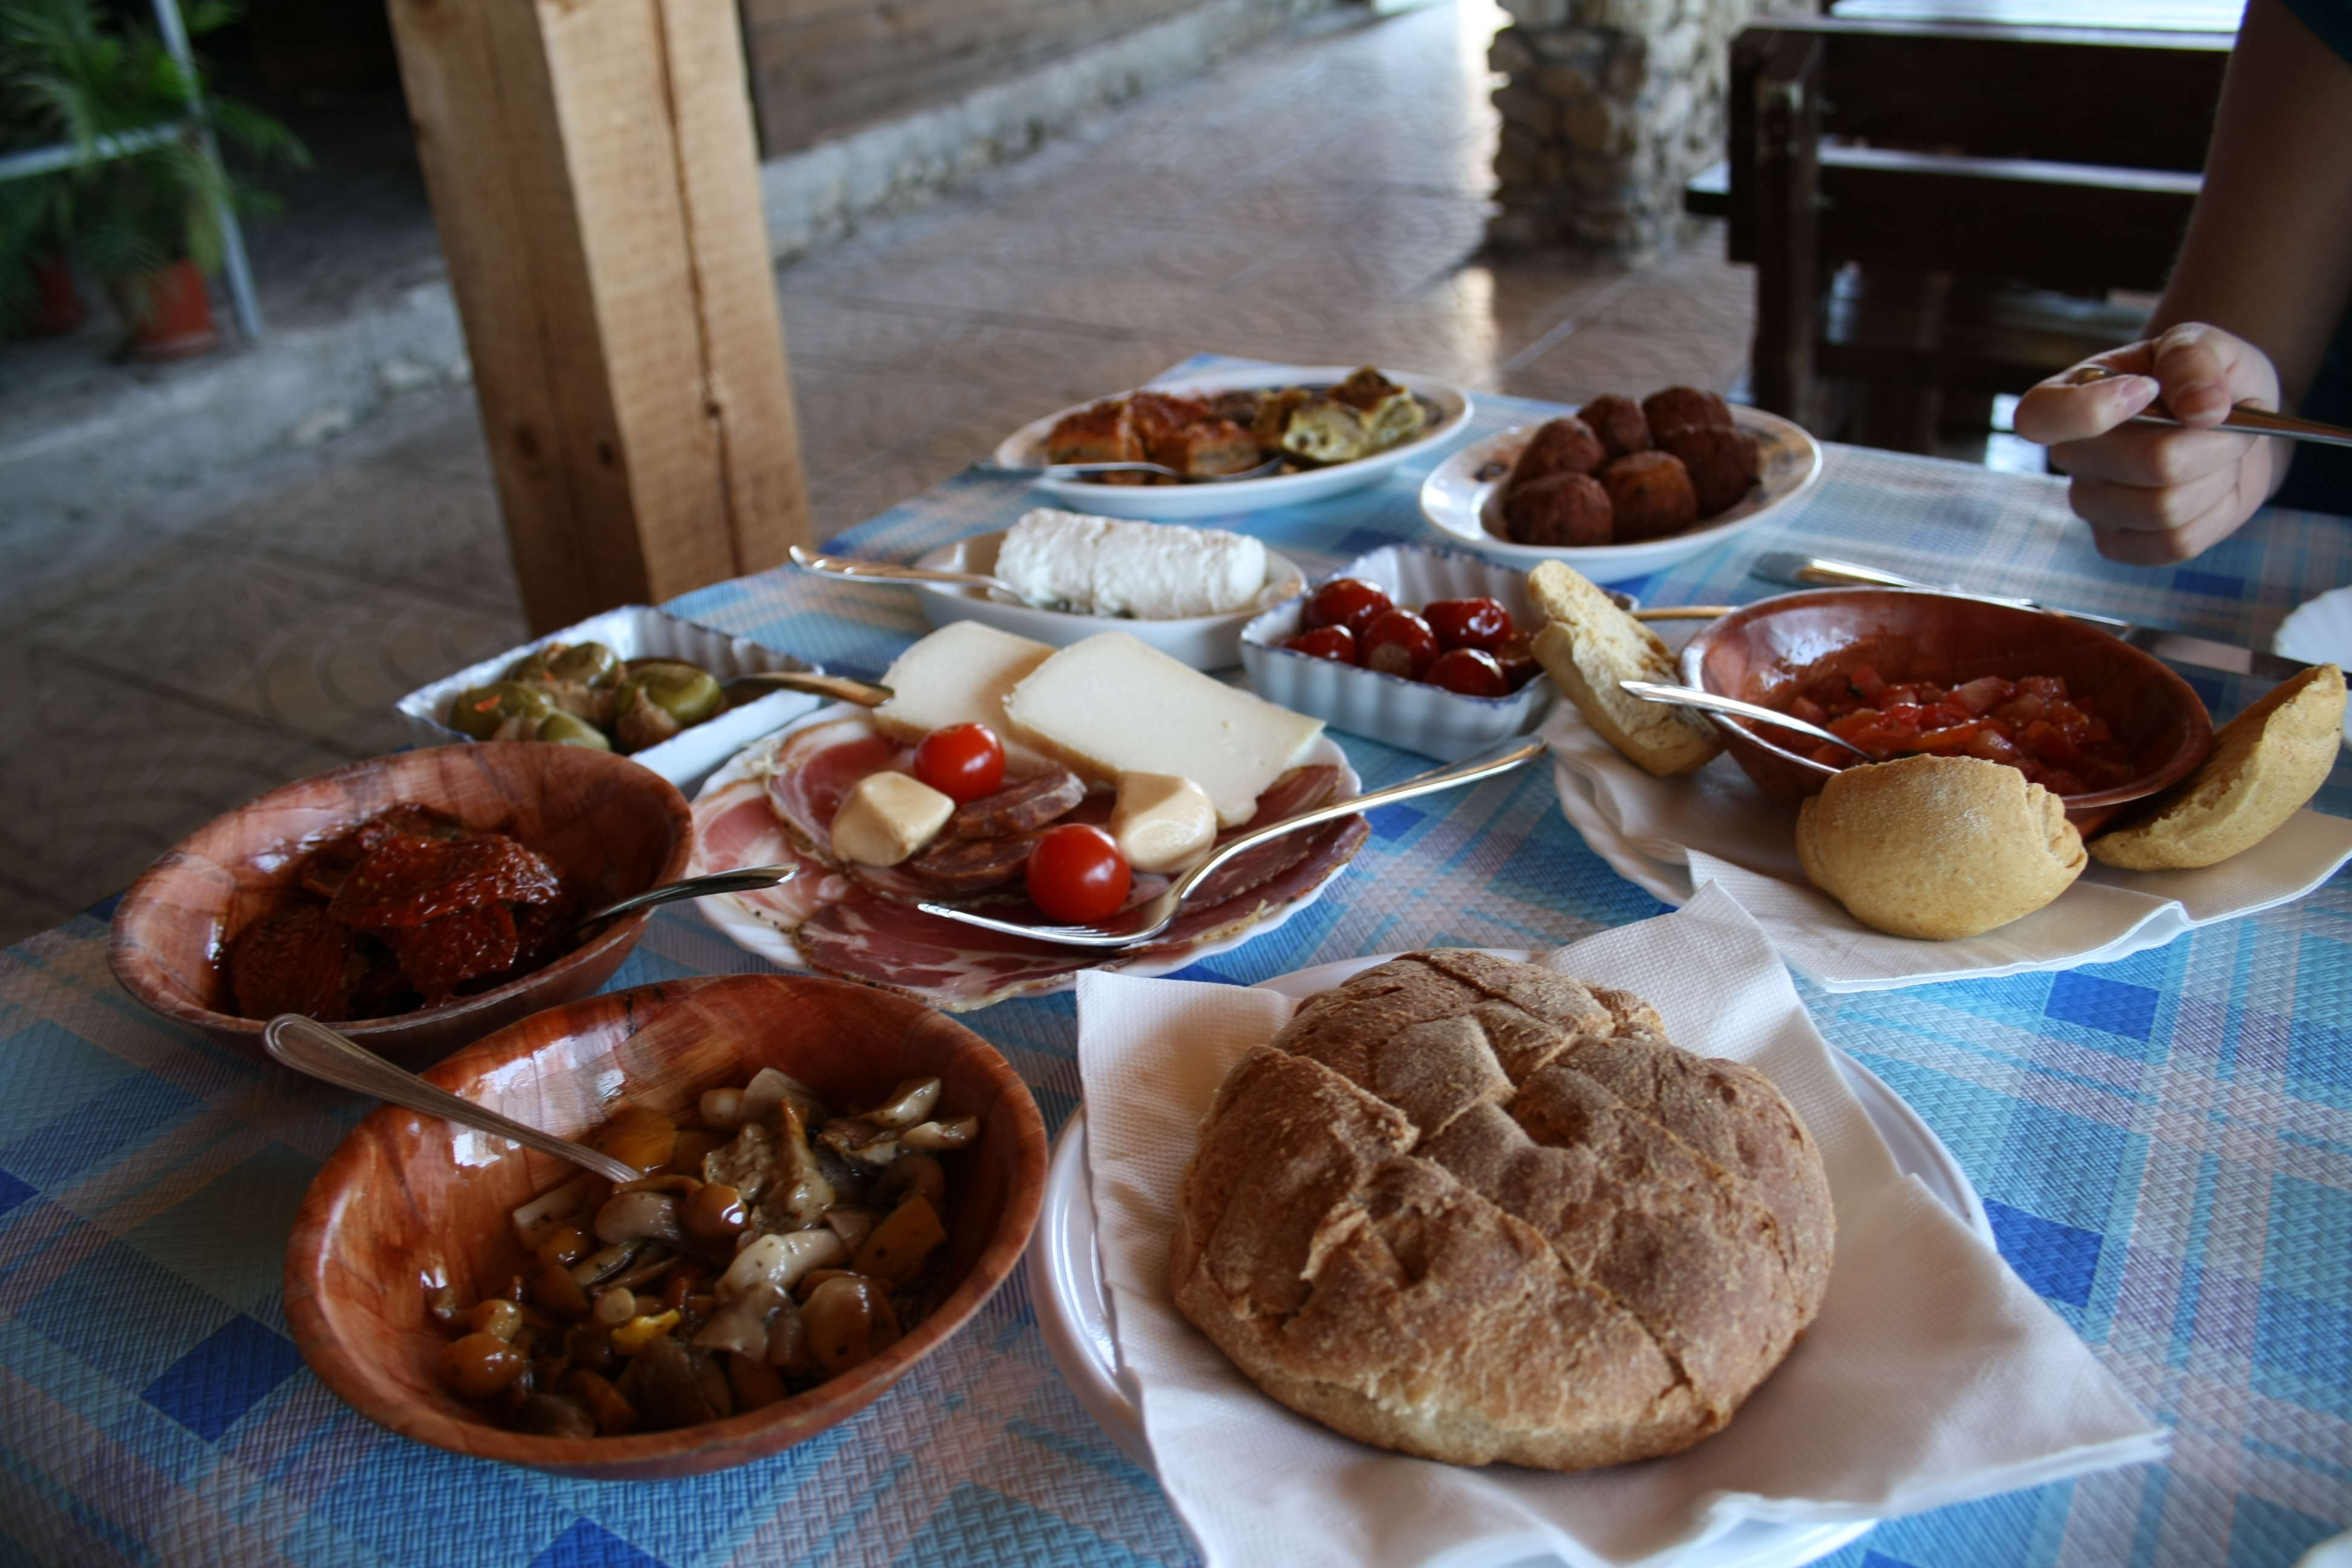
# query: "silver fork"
{"type": "Point", "coordinates": [1150, 920]}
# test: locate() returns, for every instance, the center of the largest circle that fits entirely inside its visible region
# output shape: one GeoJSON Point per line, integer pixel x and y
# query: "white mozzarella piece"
{"type": "Point", "coordinates": [1162, 823]}
{"type": "Point", "coordinates": [888, 817]}
{"type": "Point", "coordinates": [1150, 571]}
{"type": "Point", "coordinates": [1109, 705]}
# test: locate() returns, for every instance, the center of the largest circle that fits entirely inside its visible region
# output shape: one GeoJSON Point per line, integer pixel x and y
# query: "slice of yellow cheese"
{"type": "Point", "coordinates": [960, 674]}
{"type": "Point", "coordinates": [1110, 705]}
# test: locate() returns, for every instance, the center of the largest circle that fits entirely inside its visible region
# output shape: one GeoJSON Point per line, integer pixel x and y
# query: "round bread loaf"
{"type": "Point", "coordinates": [1477, 1210]}
{"type": "Point", "coordinates": [1937, 847]}
{"type": "Point", "coordinates": [2265, 764]}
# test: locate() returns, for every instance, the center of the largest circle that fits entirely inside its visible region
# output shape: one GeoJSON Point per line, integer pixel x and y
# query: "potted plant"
{"type": "Point", "coordinates": [146, 220]}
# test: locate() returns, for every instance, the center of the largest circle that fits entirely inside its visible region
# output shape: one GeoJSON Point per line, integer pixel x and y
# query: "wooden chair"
{"type": "Point", "coordinates": [1938, 213]}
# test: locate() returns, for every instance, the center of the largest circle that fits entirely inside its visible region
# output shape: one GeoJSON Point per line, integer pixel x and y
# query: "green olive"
{"type": "Point", "coordinates": [480, 711]}
{"type": "Point", "coordinates": [658, 698]}
{"type": "Point", "coordinates": [586, 663]}
{"type": "Point", "coordinates": [566, 730]}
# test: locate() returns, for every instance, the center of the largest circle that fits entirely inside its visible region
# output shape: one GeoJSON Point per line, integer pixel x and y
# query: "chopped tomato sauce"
{"type": "Point", "coordinates": [2033, 724]}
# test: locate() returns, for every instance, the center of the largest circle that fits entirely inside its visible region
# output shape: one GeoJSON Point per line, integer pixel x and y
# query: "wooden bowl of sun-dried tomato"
{"type": "Point", "coordinates": [2082, 713]}
{"type": "Point", "coordinates": [416, 901]}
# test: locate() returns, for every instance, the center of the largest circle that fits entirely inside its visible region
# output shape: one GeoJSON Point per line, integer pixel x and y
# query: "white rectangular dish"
{"type": "Point", "coordinates": [1405, 713]}
{"type": "Point", "coordinates": [640, 631]}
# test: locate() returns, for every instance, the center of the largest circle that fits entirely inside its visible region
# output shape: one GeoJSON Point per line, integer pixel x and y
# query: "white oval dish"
{"type": "Point", "coordinates": [1074, 1311]}
{"type": "Point", "coordinates": [1025, 448]}
{"type": "Point", "coordinates": [1409, 714]}
{"type": "Point", "coordinates": [1463, 500]}
{"type": "Point", "coordinates": [1205, 642]}
{"type": "Point", "coordinates": [744, 926]}
{"type": "Point", "coordinates": [2320, 632]}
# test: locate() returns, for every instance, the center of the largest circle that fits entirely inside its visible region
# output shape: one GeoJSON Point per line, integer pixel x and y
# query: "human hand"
{"type": "Point", "coordinates": [2153, 494]}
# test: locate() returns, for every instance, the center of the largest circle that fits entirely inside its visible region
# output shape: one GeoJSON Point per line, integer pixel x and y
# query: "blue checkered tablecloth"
{"type": "Point", "coordinates": [2164, 1145]}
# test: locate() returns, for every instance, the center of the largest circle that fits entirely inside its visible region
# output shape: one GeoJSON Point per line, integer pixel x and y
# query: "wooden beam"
{"type": "Point", "coordinates": [595, 181]}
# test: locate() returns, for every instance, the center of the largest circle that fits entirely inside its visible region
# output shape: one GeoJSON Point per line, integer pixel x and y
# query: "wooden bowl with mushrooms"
{"type": "Point", "coordinates": [409, 1248]}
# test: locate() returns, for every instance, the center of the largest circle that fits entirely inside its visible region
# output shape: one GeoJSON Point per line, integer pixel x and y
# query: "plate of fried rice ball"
{"type": "Point", "coordinates": [1620, 489]}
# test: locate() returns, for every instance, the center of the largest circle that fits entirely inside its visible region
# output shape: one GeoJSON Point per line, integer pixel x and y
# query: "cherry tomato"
{"type": "Point", "coordinates": [1076, 873]}
{"type": "Point", "coordinates": [962, 762]}
{"type": "Point", "coordinates": [1472, 671]}
{"type": "Point", "coordinates": [1349, 602]}
{"type": "Point", "coordinates": [1518, 658]}
{"type": "Point", "coordinates": [1336, 643]}
{"type": "Point", "coordinates": [1399, 642]}
{"type": "Point", "coordinates": [1468, 623]}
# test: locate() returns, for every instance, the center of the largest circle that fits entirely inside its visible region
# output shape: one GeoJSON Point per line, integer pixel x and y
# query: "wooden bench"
{"type": "Point", "coordinates": [1940, 212]}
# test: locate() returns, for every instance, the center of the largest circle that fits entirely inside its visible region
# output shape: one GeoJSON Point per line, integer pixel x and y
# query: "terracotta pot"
{"type": "Point", "coordinates": [59, 308]}
{"type": "Point", "coordinates": [169, 313]}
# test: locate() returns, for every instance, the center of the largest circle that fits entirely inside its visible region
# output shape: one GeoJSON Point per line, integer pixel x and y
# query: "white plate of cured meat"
{"type": "Point", "coordinates": [776, 800]}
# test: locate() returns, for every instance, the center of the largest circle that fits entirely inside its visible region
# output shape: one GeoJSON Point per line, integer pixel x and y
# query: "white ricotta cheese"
{"type": "Point", "coordinates": [1150, 571]}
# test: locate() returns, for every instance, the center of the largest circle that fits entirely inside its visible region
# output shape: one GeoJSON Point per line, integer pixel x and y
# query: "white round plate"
{"type": "Point", "coordinates": [1463, 500]}
{"type": "Point", "coordinates": [1205, 642]}
{"type": "Point", "coordinates": [1025, 448]}
{"type": "Point", "coordinates": [754, 933]}
{"type": "Point", "coordinates": [1074, 1309]}
{"type": "Point", "coordinates": [2320, 632]}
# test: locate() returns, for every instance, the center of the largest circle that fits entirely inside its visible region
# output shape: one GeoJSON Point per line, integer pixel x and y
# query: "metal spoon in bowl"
{"type": "Point", "coordinates": [1692, 697]}
{"type": "Point", "coordinates": [742, 880]}
{"type": "Point", "coordinates": [310, 1046]}
{"type": "Point", "coordinates": [850, 571]}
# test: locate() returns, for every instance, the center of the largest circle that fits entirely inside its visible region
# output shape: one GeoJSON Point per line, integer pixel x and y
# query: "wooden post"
{"type": "Point", "coordinates": [595, 181]}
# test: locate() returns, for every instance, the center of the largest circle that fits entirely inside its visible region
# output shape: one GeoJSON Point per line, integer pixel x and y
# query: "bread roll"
{"type": "Point", "coordinates": [1937, 847]}
{"type": "Point", "coordinates": [2266, 763]}
{"type": "Point", "coordinates": [1479, 1211]}
{"type": "Point", "coordinates": [1586, 646]}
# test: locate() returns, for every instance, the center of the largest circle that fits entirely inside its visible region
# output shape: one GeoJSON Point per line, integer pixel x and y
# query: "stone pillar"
{"type": "Point", "coordinates": [1610, 108]}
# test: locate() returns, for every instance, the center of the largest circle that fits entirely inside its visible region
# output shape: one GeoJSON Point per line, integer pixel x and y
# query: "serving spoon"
{"type": "Point", "coordinates": [742, 880]}
{"type": "Point", "coordinates": [312, 1049]}
{"type": "Point", "coordinates": [1150, 920]}
{"type": "Point", "coordinates": [852, 571]}
{"type": "Point", "coordinates": [1692, 697]}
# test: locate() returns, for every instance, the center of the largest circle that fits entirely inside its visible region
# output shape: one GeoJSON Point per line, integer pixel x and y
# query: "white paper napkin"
{"type": "Point", "coordinates": [1671, 836]}
{"type": "Point", "coordinates": [1932, 1374]}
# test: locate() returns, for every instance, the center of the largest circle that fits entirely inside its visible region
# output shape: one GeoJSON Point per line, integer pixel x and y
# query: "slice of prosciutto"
{"type": "Point", "coordinates": [861, 923]}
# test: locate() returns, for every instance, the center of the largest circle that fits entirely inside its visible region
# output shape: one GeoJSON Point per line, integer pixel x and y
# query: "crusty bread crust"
{"type": "Point", "coordinates": [1937, 847]}
{"type": "Point", "coordinates": [1586, 646]}
{"type": "Point", "coordinates": [1479, 1211]}
{"type": "Point", "coordinates": [2265, 764]}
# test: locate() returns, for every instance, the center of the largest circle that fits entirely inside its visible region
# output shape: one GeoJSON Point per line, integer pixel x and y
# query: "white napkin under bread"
{"type": "Point", "coordinates": [1671, 836]}
{"type": "Point", "coordinates": [1932, 1374]}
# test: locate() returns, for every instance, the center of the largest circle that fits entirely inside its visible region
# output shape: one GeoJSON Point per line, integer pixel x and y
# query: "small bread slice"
{"type": "Point", "coordinates": [2265, 764]}
{"type": "Point", "coordinates": [1586, 646]}
{"type": "Point", "coordinates": [1937, 847]}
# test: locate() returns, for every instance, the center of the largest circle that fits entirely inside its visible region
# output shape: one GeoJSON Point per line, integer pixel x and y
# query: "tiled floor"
{"type": "Point", "coordinates": [1321, 201]}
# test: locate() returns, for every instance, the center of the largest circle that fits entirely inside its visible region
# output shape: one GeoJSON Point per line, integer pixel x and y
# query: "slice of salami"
{"type": "Point", "coordinates": [1019, 809]}
{"type": "Point", "coordinates": [959, 867]}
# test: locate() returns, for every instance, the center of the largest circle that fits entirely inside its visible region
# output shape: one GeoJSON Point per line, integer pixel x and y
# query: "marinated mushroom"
{"type": "Point", "coordinates": [750, 1262]}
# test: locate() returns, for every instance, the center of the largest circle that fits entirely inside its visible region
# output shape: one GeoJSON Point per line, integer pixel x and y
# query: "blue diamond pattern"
{"type": "Point", "coordinates": [588, 1545]}
{"type": "Point", "coordinates": [208, 1389]}
{"type": "Point", "coordinates": [2060, 1261]}
{"type": "Point", "coordinates": [1395, 821]}
{"type": "Point", "coordinates": [2213, 585]}
{"type": "Point", "coordinates": [14, 1192]}
{"type": "Point", "coordinates": [2119, 1009]}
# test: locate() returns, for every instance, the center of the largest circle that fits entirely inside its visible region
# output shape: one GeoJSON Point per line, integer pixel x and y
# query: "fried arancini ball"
{"type": "Point", "coordinates": [1651, 494]}
{"type": "Point", "coordinates": [1559, 509]}
{"type": "Point", "coordinates": [1722, 462]}
{"type": "Point", "coordinates": [1685, 405]}
{"type": "Point", "coordinates": [1619, 424]}
{"type": "Point", "coordinates": [1562, 446]}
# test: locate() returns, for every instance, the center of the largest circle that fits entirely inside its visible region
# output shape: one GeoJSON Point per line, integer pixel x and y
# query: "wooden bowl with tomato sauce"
{"type": "Point", "coordinates": [1769, 651]}
{"type": "Point", "coordinates": [409, 1206]}
{"type": "Point", "coordinates": [610, 827]}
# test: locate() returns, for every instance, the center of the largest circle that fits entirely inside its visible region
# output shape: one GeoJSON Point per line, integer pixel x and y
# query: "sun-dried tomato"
{"type": "Point", "coordinates": [296, 959]}
{"type": "Point", "coordinates": [442, 954]}
{"type": "Point", "coordinates": [326, 867]}
{"type": "Point", "coordinates": [408, 880]}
